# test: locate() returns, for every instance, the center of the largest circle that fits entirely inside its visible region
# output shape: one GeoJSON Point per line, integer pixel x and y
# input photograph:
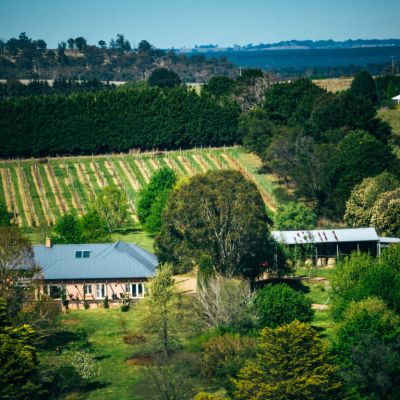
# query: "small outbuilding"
{"type": "Point", "coordinates": [91, 272]}
{"type": "Point", "coordinates": [332, 243]}
{"type": "Point", "coordinates": [396, 99]}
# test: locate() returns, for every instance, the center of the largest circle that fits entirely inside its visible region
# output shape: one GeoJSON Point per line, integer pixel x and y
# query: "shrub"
{"type": "Point", "coordinates": [226, 304]}
{"type": "Point", "coordinates": [366, 317]}
{"type": "Point", "coordinates": [86, 305]}
{"type": "Point", "coordinates": [223, 356]}
{"type": "Point", "coordinates": [134, 338]}
{"type": "Point", "coordinates": [279, 304]}
{"type": "Point", "coordinates": [106, 303]}
{"type": "Point", "coordinates": [367, 346]}
{"type": "Point", "coordinates": [361, 275]}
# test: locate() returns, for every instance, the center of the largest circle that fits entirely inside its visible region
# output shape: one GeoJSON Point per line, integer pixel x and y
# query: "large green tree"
{"type": "Point", "coordinates": [386, 213]}
{"type": "Point", "coordinates": [292, 102]}
{"type": "Point", "coordinates": [359, 206]}
{"type": "Point", "coordinates": [367, 347]}
{"type": "Point", "coordinates": [295, 216]}
{"type": "Point", "coordinates": [363, 85]}
{"type": "Point", "coordinates": [361, 275]}
{"type": "Point", "coordinates": [359, 155]}
{"type": "Point", "coordinates": [292, 364]}
{"type": "Point", "coordinates": [153, 198]}
{"type": "Point", "coordinates": [164, 78]}
{"type": "Point", "coordinates": [222, 215]}
{"type": "Point", "coordinates": [112, 206]}
{"type": "Point", "coordinates": [18, 360]}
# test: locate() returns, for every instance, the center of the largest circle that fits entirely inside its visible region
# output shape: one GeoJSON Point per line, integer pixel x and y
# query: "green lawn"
{"type": "Point", "coordinates": [105, 330]}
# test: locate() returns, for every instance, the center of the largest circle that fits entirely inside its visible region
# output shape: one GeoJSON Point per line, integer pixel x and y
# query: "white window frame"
{"type": "Point", "coordinates": [102, 289]}
{"type": "Point", "coordinates": [87, 286]}
{"type": "Point", "coordinates": [129, 289]}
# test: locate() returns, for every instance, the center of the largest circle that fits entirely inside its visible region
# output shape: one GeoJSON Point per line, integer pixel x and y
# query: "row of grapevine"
{"type": "Point", "coordinates": [37, 192]}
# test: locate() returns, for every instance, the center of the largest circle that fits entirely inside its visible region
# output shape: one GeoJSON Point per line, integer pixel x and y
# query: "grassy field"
{"type": "Point", "coordinates": [37, 192]}
{"type": "Point", "coordinates": [105, 330]}
{"type": "Point", "coordinates": [393, 118]}
{"type": "Point", "coordinates": [334, 84]}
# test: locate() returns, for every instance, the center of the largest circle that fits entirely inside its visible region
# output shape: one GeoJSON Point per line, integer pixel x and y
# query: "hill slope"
{"type": "Point", "coordinates": [38, 191]}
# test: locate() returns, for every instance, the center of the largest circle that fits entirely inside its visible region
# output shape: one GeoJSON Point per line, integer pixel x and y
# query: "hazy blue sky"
{"type": "Point", "coordinates": [178, 23]}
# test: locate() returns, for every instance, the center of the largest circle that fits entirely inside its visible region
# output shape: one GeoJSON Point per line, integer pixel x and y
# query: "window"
{"type": "Point", "coordinates": [87, 289]}
{"type": "Point", "coordinates": [135, 290]}
{"type": "Point", "coordinates": [100, 290]}
{"type": "Point", "coordinates": [82, 253]}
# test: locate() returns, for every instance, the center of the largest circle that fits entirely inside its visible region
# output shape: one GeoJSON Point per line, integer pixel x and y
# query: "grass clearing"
{"type": "Point", "coordinates": [105, 330]}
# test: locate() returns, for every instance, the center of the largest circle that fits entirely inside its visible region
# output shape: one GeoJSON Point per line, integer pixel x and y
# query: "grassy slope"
{"type": "Point", "coordinates": [105, 332]}
{"type": "Point", "coordinates": [393, 118]}
{"type": "Point", "coordinates": [196, 160]}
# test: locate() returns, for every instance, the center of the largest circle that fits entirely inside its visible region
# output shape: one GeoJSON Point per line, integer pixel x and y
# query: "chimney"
{"type": "Point", "coordinates": [48, 242]}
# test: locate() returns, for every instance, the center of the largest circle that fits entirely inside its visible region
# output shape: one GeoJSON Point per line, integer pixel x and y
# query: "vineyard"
{"type": "Point", "coordinates": [38, 191]}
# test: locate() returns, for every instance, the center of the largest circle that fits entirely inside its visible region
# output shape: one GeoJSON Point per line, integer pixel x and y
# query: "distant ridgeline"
{"type": "Point", "coordinates": [24, 58]}
{"type": "Point", "coordinates": [115, 121]}
{"type": "Point", "coordinates": [322, 58]}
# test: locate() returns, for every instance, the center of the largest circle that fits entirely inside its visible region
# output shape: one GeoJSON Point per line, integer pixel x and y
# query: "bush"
{"type": "Point", "coordinates": [295, 216]}
{"type": "Point", "coordinates": [367, 346]}
{"type": "Point", "coordinates": [86, 305]}
{"type": "Point", "coordinates": [366, 317]}
{"type": "Point", "coordinates": [134, 338]}
{"type": "Point", "coordinates": [279, 304]}
{"type": "Point", "coordinates": [224, 356]}
{"type": "Point", "coordinates": [361, 276]}
{"type": "Point", "coordinates": [106, 303]}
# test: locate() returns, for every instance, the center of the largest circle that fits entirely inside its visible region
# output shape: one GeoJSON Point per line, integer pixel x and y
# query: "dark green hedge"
{"type": "Point", "coordinates": [115, 121]}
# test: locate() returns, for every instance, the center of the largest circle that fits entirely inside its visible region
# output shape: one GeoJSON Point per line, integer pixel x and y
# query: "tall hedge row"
{"type": "Point", "coordinates": [115, 121]}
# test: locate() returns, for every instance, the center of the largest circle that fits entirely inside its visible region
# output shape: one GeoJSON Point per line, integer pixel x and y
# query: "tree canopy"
{"type": "Point", "coordinates": [219, 214]}
{"type": "Point", "coordinates": [164, 78]}
{"type": "Point", "coordinates": [153, 199]}
{"type": "Point", "coordinates": [292, 364]}
{"type": "Point", "coordinates": [278, 304]}
{"type": "Point", "coordinates": [363, 85]}
{"type": "Point", "coordinates": [359, 206]}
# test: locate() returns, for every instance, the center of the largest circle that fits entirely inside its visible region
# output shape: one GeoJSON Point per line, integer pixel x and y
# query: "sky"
{"type": "Point", "coordinates": [185, 23]}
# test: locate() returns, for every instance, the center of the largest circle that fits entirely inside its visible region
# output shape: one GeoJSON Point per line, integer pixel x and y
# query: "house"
{"type": "Point", "coordinates": [93, 271]}
{"type": "Point", "coordinates": [326, 244]}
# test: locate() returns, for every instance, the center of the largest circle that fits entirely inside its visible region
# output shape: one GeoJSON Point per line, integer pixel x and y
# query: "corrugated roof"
{"type": "Point", "coordinates": [389, 240]}
{"type": "Point", "coordinates": [326, 236]}
{"type": "Point", "coordinates": [106, 261]}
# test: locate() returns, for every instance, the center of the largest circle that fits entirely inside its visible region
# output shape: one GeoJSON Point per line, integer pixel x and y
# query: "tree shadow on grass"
{"type": "Point", "coordinates": [295, 284]}
{"type": "Point", "coordinates": [60, 339]}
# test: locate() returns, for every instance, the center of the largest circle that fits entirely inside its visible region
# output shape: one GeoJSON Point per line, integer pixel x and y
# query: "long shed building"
{"type": "Point", "coordinates": [329, 243]}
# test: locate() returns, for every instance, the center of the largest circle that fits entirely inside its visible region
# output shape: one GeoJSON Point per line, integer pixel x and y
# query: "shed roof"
{"type": "Point", "coordinates": [326, 236]}
{"type": "Point", "coordinates": [396, 97]}
{"type": "Point", "coordinates": [106, 261]}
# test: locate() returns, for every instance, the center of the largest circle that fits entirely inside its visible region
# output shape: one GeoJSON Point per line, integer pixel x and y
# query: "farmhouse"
{"type": "Point", "coordinates": [324, 244]}
{"type": "Point", "coordinates": [93, 271]}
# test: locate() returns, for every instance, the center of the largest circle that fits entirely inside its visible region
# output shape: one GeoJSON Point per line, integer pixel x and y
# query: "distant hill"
{"type": "Point", "coordinates": [296, 44]}
{"type": "Point", "coordinates": [27, 58]}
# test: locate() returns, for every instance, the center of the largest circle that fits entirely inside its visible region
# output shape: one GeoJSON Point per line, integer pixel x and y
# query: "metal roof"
{"type": "Point", "coordinates": [106, 261]}
{"type": "Point", "coordinates": [389, 240]}
{"type": "Point", "coordinates": [326, 236]}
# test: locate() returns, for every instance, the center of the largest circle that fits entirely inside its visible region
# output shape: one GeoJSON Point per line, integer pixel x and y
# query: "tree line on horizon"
{"type": "Point", "coordinates": [75, 58]}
